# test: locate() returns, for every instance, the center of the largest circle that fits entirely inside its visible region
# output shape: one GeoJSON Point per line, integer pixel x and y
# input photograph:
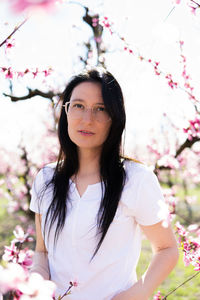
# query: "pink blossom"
{"type": "Point", "coordinates": [31, 230]}
{"type": "Point", "coordinates": [13, 206]}
{"type": "Point", "coordinates": [22, 5]}
{"type": "Point", "coordinates": [157, 72]}
{"type": "Point", "coordinates": [25, 257]}
{"type": "Point", "coordinates": [94, 24]}
{"type": "Point", "coordinates": [193, 10]}
{"type": "Point", "coordinates": [10, 43]}
{"type": "Point", "coordinates": [35, 73]}
{"type": "Point", "coordinates": [37, 288]}
{"type": "Point", "coordinates": [74, 282]}
{"type": "Point", "coordinates": [95, 20]}
{"type": "Point", "coordinates": [23, 219]}
{"type": "Point", "coordinates": [170, 199]}
{"type": "Point", "coordinates": [168, 160]}
{"type": "Point", "coordinates": [191, 199]}
{"type": "Point", "coordinates": [195, 259]}
{"type": "Point", "coordinates": [180, 229]}
{"type": "Point", "coordinates": [47, 72]}
{"type": "Point", "coordinates": [9, 73]}
{"type": "Point", "coordinates": [171, 83]}
{"type": "Point", "coordinates": [186, 259]}
{"type": "Point", "coordinates": [106, 23]}
{"type": "Point", "coordinates": [19, 234]}
{"type": "Point", "coordinates": [193, 227]}
{"type": "Point", "coordinates": [158, 296]}
{"type": "Point", "coordinates": [20, 74]}
{"type": "Point", "coordinates": [10, 252]}
{"type": "Point", "coordinates": [11, 276]}
{"type": "Point", "coordinates": [98, 39]}
{"type": "Point", "coordinates": [193, 130]}
{"type": "Point", "coordinates": [197, 265]}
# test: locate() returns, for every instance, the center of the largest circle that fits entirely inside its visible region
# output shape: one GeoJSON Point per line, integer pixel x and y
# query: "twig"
{"type": "Point", "coordinates": [16, 28]}
{"type": "Point", "coordinates": [181, 285]}
{"type": "Point", "coordinates": [169, 13]}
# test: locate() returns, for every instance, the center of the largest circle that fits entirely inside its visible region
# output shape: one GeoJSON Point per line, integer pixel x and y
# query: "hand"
{"type": "Point", "coordinates": [121, 296]}
{"type": "Point", "coordinates": [126, 296]}
{"type": "Point", "coordinates": [136, 292]}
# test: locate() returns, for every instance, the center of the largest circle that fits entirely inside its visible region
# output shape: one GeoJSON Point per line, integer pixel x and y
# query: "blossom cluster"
{"type": "Point", "coordinates": [14, 253]}
{"type": "Point", "coordinates": [19, 6]}
{"type": "Point", "coordinates": [158, 296]}
{"type": "Point", "coordinates": [16, 279]}
{"type": "Point", "coordinates": [23, 286]}
{"type": "Point", "coordinates": [186, 77]}
{"type": "Point", "coordinates": [189, 245]}
{"type": "Point", "coordinates": [193, 130]}
{"type": "Point", "coordinates": [193, 5]}
{"type": "Point", "coordinates": [11, 73]}
{"type": "Point", "coordinates": [172, 83]}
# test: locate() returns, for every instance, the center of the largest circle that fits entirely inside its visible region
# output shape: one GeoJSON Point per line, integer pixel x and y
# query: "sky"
{"type": "Point", "coordinates": [56, 39]}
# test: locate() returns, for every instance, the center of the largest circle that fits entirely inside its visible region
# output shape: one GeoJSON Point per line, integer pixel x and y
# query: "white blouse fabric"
{"type": "Point", "coordinates": [113, 269]}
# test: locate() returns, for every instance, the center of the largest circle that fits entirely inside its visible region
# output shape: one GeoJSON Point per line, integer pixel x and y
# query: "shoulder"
{"type": "Point", "coordinates": [45, 173]}
{"type": "Point", "coordinates": [142, 194]}
{"type": "Point", "coordinates": [40, 191]}
{"type": "Point", "coordinates": [136, 169]}
{"type": "Point", "coordinates": [49, 168]}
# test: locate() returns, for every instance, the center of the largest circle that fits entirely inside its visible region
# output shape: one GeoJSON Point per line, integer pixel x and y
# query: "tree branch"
{"type": "Point", "coordinates": [16, 28]}
{"type": "Point", "coordinates": [187, 144]}
{"type": "Point", "coordinates": [33, 93]}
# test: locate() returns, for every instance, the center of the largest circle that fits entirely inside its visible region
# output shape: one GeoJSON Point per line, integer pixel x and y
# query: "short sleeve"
{"type": "Point", "coordinates": [150, 203]}
{"type": "Point", "coordinates": [36, 190]}
{"type": "Point", "coordinates": [40, 195]}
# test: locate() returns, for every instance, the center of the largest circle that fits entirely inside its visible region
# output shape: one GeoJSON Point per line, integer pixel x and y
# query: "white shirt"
{"type": "Point", "coordinates": [113, 269]}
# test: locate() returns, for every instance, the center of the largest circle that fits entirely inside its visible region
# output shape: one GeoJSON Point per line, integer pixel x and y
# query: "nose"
{"type": "Point", "coordinates": [87, 115]}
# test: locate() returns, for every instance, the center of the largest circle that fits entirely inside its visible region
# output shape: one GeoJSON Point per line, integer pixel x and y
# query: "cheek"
{"type": "Point", "coordinates": [71, 127]}
{"type": "Point", "coordinates": [105, 131]}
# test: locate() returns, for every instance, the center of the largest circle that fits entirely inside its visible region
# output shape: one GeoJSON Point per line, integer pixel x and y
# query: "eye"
{"type": "Point", "coordinates": [78, 105]}
{"type": "Point", "coordinates": [100, 108]}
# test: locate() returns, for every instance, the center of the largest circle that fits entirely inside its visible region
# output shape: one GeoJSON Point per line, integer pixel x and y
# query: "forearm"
{"type": "Point", "coordinates": [161, 265]}
{"type": "Point", "coordinates": [40, 264]}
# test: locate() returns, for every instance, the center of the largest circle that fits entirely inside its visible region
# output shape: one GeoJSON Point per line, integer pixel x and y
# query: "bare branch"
{"type": "Point", "coordinates": [187, 144]}
{"type": "Point", "coordinates": [97, 31]}
{"type": "Point", "coordinates": [33, 93]}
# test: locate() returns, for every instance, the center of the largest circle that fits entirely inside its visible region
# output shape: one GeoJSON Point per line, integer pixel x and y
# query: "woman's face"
{"type": "Point", "coordinates": [88, 95]}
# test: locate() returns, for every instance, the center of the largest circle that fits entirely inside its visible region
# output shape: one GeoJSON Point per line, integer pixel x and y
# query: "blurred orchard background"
{"type": "Point", "coordinates": [153, 50]}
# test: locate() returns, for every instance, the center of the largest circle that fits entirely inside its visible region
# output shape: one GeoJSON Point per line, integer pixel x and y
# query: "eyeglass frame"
{"type": "Point", "coordinates": [86, 109]}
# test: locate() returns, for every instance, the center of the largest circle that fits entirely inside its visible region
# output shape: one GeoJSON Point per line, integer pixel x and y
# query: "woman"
{"type": "Point", "coordinates": [93, 203]}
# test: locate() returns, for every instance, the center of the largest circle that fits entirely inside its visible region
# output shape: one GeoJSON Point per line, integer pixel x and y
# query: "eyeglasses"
{"type": "Point", "coordinates": [77, 111]}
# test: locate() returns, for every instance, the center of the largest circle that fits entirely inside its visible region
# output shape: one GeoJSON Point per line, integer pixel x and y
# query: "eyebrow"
{"type": "Point", "coordinates": [81, 100]}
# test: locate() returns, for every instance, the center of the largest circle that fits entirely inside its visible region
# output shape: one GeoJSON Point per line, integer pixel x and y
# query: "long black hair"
{"type": "Point", "coordinates": [112, 172]}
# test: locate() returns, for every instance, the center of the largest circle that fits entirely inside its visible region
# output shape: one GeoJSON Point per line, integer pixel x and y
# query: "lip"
{"type": "Point", "coordinates": [85, 132]}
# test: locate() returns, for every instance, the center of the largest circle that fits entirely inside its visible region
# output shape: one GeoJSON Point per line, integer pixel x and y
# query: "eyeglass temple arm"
{"type": "Point", "coordinates": [66, 103]}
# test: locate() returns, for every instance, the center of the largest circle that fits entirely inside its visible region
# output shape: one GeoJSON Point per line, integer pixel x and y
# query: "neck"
{"type": "Point", "coordinates": [89, 161]}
